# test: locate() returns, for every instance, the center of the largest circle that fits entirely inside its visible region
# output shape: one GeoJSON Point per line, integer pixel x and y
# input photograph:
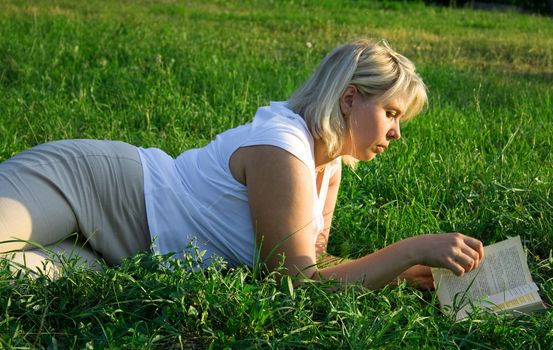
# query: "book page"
{"type": "Point", "coordinates": [521, 301]}
{"type": "Point", "coordinates": [503, 270]}
{"type": "Point", "coordinates": [513, 297]}
{"type": "Point", "coordinates": [523, 298]}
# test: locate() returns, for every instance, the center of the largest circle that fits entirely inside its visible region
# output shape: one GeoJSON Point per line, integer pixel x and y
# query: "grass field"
{"type": "Point", "coordinates": [173, 74]}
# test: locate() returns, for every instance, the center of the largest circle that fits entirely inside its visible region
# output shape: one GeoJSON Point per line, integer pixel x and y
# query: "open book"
{"type": "Point", "coordinates": [501, 282]}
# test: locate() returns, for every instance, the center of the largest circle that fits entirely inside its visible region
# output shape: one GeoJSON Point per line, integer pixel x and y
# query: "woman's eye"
{"type": "Point", "coordinates": [391, 114]}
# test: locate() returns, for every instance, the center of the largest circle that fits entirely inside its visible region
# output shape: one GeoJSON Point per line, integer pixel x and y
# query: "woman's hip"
{"type": "Point", "coordinates": [101, 182]}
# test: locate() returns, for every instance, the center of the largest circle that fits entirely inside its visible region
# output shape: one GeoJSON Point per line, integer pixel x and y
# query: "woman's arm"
{"type": "Point", "coordinates": [418, 276]}
{"type": "Point", "coordinates": [453, 251]}
{"type": "Point", "coordinates": [321, 244]}
{"type": "Point", "coordinates": [280, 192]}
{"type": "Point", "coordinates": [280, 195]}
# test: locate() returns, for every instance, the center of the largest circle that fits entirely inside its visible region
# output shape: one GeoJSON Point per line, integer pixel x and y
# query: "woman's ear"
{"type": "Point", "coordinates": [346, 100]}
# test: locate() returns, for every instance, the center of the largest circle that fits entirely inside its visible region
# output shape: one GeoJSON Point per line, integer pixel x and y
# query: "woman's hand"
{"type": "Point", "coordinates": [418, 276]}
{"type": "Point", "coordinates": [453, 251]}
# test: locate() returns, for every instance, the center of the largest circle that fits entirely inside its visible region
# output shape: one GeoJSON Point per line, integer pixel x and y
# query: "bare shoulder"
{"type": "Point", "coordinates": [281, 199]}
{"type": "Point", "coordinates": [266, 161]}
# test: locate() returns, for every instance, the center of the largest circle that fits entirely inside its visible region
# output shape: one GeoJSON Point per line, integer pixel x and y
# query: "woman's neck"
{"type": "Point", "coordinates": [321, 155]}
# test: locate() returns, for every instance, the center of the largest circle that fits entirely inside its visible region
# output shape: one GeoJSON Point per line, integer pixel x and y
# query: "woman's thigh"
{"type": "Point", "coordinates": [33, 211]}
{"type": "Point", "coordinates": [53, 259]}
{"type": "Point", "coordinates": [90, 186]}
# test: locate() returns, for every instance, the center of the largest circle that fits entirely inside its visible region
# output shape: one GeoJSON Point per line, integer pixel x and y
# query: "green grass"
{"type": "Point", "coordinates": [173, 74]}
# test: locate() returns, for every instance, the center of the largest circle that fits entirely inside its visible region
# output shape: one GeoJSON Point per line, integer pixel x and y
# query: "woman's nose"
{"type": "Point", "coordinates": [394, 132]}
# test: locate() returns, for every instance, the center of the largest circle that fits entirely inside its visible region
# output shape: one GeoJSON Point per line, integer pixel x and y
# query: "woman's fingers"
{"type": "Point", "coordinates": [468, 258]}
{"type": "Point", "coordinates": [473, 255]}
{"type": "Point", "coordinates": [465, 255]}
{"type": "Point", "coordinates": [454, 251]}
{"type": "Point", "coordinates": [473, 243]}
{"type": "Point", "coordinates": [475, 250]}
{"type": "Point", "coordinates": [477, 246]}
{"type": "Point", "coordinates": [455, 267]}
{"type": "Point", "coordinates": [469, 251]}
{"type": "Point", "coordinates": [467, 262]}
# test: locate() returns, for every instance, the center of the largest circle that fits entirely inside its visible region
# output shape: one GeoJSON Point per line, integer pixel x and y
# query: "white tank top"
{"type": "Point", "coordinates": [195, 198]}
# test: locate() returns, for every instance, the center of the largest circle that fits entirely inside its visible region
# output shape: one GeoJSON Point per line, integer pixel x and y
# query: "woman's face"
{"type": "Point", "coordinates": [370, 123]}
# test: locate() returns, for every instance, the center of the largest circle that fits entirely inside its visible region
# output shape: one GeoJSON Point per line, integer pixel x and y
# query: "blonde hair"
{"type": "Point", "coordinates": [374, 68]}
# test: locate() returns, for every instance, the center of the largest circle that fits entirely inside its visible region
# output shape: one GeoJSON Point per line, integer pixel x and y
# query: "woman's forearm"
{"type": "Point", "coordinates": [454, 251]}
{"type": "Point", "coordinates": [377, 269]}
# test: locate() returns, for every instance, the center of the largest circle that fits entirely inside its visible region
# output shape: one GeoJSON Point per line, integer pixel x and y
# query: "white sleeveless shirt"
{"type": "Point", "coordinates": [195, 198]}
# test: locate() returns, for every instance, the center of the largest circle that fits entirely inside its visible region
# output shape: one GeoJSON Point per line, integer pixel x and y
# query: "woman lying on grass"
{"type": "Point", "coordinates": [267, 187]}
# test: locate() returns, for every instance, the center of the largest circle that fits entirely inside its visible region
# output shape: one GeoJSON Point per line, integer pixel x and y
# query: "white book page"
{"type": "Point", "coordinates": [504, 268]}
{"type": "Point", "coordinates": [511, 295]}
{"type": "Point", "coordinates": [510, 300]}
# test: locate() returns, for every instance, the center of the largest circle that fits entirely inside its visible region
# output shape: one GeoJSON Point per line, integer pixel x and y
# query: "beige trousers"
{"type": "Point", "coordinates": [78, 198]}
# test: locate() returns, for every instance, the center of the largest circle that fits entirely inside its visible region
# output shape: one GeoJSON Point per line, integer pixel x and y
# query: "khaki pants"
{"type": "Point", "coordinates": [89, 187]}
